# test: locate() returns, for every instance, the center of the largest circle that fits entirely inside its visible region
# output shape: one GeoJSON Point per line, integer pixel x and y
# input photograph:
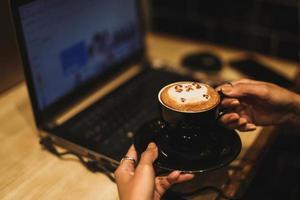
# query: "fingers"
{"type": "Point", "coordinates": [235, 121]}
{"type": "Point", "coordinates": [219, 88]}
{"type": "Point", "coordinates": [245, 87]}
{"type": "Point", "coordinates": [145, 168]}
{"type": "Point", "coordinates": [229, 118]}
{"type": "Point", "coordinates": [129, 164]}
{"type": "Point", "coordinates": [247, 127]}
{"type": "Point", "coordinates": [165, 182]}
{"type": "Point", "coordinates": [232, 121]}
{"type": "Point", "coordinates": [245, 81]}
{"type": "Point", "coordinates": [126, 169]}
{"type": "Point", "coordinates": [183, 178]}
{"type": "Point", "coordinates": [240, 81]}
{"type": "Point", "coordinates": [149, 155]}
{"type": "Point", "coordinates": [230, 102]}
{"type": "Point", "coordinates": [239, 90]}
{"type": "Point", "coordinates": [239, 123]}
{"type": "Point", "coordinates": [144, 176]}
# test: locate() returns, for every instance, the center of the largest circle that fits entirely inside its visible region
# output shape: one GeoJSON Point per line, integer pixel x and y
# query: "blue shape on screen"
{"type": "Point", "coordinates": [74, 58]}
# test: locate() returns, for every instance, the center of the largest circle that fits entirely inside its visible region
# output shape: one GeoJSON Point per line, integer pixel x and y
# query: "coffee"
{"type": "Point", "coordinates": [189, 97]}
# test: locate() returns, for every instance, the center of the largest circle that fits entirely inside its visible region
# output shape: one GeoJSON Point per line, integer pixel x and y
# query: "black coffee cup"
{"type": "Point", "coordinates": [186, 127]}
{"type": "Point", "coordinates": [196, 118]}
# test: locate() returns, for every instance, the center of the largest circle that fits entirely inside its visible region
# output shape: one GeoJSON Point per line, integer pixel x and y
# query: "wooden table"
{"type": "Point", "coordinates": [29, 172]}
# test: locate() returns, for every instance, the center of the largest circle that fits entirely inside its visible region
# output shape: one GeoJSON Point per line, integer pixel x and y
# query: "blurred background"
{"type": "Point", "coordinates": [266, 26]}
{"type": "Point", "coordinates": [270, 27]}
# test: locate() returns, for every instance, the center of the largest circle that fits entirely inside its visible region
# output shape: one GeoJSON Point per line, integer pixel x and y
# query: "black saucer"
{"type": "Point", "coordinates": [216, 147]}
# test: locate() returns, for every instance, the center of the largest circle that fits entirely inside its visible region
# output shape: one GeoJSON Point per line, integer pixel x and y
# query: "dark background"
{"type": "Point", "coordinates": [266, 26]}
{"type": "Point", "coordinates": [10, 63]}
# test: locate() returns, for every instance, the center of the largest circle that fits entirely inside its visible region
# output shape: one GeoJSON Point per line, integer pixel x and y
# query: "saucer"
{"type": "Point", "coordinates": [213, 148]}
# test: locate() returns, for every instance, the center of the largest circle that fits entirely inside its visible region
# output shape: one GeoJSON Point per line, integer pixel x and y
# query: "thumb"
{"type": "Point", "coordinates": [244, 89]}
{"type": "Point", "coordinates": [149, 155]}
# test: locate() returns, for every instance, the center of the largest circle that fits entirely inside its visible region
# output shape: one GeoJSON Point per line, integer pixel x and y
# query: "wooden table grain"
{"type": "Point", "coordinates": [28, 172]}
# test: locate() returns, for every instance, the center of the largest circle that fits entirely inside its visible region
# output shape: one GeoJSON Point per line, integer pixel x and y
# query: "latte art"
{"type": "Point", "coordinates": [189, 96]}
{"type": "Point", "coordinates": [186, 93]}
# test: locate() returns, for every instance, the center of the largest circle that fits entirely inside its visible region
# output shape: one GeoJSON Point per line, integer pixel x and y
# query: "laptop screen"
{"type": "Point", "coordinates": [69, 42]}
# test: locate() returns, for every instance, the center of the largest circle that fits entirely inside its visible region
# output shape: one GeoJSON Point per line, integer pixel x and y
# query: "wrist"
{"type": "Point", "coordinates": [295, 105]}
{"type": "Point", "coordinates": [294, 110]}
{"type": "Point", "coordinates": [293, 120]}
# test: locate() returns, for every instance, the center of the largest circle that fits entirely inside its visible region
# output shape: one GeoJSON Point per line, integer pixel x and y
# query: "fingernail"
{"type": "Point", "coordinates": [251, 126]}
{"type": "Point", "coordinates": [226, 89]}
{"type": "Point", "coordinates": [152, 145]}
{"type": "Point", "coordinates": [235, 103]}
{"type": "Point", "coordinates": [234, 117]}
{"type": "Point", "coordinates": [184, 172]}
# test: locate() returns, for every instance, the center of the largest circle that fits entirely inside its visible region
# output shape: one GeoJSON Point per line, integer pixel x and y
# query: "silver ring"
{"type": "Point", "coordinates": [128, 158]}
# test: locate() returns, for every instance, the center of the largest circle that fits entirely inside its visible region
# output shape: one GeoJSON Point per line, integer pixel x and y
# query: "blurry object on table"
{"type": "Point", "coordinates": [254, 69]}
{"type": "Point", "coordinates": [203, 61]}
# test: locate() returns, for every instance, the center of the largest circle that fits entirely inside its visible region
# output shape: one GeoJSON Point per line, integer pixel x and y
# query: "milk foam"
{"type": "Point", "coordinates": [187, 93]}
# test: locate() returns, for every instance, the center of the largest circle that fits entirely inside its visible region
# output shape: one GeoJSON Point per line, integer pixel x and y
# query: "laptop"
{"type": "Point", "coordinates": [71, 47]}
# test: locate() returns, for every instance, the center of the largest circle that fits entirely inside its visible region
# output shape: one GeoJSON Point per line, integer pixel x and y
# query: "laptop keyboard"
{"type": "Point", "coordinates": [109, 125]}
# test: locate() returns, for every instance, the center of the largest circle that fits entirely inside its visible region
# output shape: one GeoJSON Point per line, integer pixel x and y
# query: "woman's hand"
{"type": "Point", "coordinates": [258, 103]}
{"type": "Point", "coordinates": [140, 183]}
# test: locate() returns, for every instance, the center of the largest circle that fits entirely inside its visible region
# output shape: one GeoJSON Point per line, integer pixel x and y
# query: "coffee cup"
{"type": "Point", "coordinates": [189, 103]}
{"type": "Point", "coordinates": [189, 109]}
